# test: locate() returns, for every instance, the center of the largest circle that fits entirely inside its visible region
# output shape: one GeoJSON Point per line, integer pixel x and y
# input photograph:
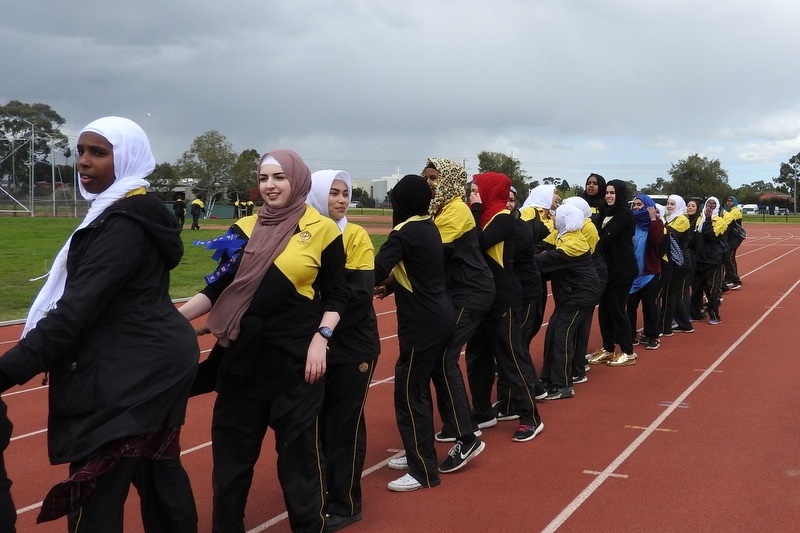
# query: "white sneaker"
{"type": "Point", "coordinates": [398, 463]}
{"type": "Point", "coordinates": [406, 483]}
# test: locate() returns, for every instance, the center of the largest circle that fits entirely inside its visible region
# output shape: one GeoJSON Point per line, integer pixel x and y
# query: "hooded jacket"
{"type": "Point", "coordinates": [121, 358]}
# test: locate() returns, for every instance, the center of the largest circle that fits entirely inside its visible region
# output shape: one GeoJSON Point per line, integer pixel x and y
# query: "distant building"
{"type": "Point", "coordinates": [377, 188]}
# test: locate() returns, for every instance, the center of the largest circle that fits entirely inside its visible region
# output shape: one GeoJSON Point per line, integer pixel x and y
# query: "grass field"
{"type": "Point", "coordinates": [30, 244]}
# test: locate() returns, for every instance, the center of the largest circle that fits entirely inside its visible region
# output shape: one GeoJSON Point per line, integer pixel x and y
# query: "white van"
{"type": "Point", "coordinates": [748, 209]}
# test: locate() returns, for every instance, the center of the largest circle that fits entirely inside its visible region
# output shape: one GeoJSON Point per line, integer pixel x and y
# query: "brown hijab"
{"type": "Point", "coordinates": [270, 236]}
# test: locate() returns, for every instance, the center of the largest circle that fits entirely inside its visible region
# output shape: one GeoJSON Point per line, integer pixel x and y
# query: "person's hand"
{"type": "Point", "coordinates": [475, 197]}
{"type": "Point", "coordinates": [379, 292]}
{"type": "Point", "coordinates": [316, 358]}
{"type": "Point", "coordinates": [653, 212]}
{"type": "Point", "coordinates": [202, 331]}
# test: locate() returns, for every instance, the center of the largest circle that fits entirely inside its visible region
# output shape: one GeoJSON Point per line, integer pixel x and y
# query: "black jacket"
{"type": "Point", "coordinates": [120, 356]}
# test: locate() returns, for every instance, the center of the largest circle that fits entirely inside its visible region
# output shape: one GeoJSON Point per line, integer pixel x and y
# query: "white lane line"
{"type": "Point", "coordinates": [609, 471]}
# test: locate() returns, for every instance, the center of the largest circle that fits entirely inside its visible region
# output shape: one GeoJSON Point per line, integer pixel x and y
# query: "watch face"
{"type": "Point", "coordinates": [326, 332]}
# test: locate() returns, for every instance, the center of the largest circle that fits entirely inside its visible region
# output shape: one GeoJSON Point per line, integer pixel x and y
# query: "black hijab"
{"type": "Point", "coordinates": [411, 196]}
{"type": "Point", "coordinates": [594, 200]}
{"type": "Point", "coordinates": [622, 195]}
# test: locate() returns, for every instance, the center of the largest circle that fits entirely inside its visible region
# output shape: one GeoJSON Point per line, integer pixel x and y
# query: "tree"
{"type": "Point", "coordinates": [15, 136]}
{"type": "Point", "coordinates": [789, 174]}
{"type": "Point", "coordinates": [699, 177]}
{"type": "Point", "coordinates": [244, 184]}
{"type": "Point", "coordinates": [208, 164]}
{"type": "Point", "coordinates": [361, 195]}
{"type": "Point", "coordinates": [508, 165]}
{"type": "Point", "coordinates": [163, 179]}
{"type": "Point", "coordinates": [661, 186]}
{"type": "Point", "coordinates": [750, 193]}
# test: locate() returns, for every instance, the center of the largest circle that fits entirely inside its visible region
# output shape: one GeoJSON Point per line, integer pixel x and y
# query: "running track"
{"type": "Point", "coordinates": [700, 436]}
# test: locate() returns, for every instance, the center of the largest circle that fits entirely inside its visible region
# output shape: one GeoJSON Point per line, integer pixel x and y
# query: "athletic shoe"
{"type": "Point", "coordinates": [527, 432]}
{"type": "Point", "coordinates": [653, 344]}
{"type": "Point", "coordinates": [683, 330]}
{"type": "Point", "coordinates": [579, 379]}
{"type": "Point", "coordinates": [666, 334]}
{"type": "Point", "coordinates": [487, 423]}
{"type": "Point", "coordinates": [557, 393]}
{"type": "Point", "coordinates": [714, 321]}
{"type": "Point", "coordinates": [441, 437]}
{"type": "Point", "coordinates": [335, 522]}
{"type": "Point", "coordinates": [635, 339]}
{"type": "Point", "coordinates": [539, 390]}
{"type": "Point", "coordinates": [599, 357]}
{"type": "Point", "coordinates": [623, 359]}
{"type": "Point", "coordinates": [500, 416]}
{"type": "Point", "coordinates": [398, 463]}
{"type": "Point", "coordinates": [673, 325]}
{"type": "Point", "coordinates": [406, 483]}
{"type": "Point", "coordinates": [735, 286]}
{"type": "Point", "coordinates": [459, 455]}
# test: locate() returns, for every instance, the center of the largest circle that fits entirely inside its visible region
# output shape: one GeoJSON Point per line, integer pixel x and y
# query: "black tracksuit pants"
{"type": "Point", "coordinates": [414, 410]}
{"type": "Point", "coordinates": [498, 339]}
{"type": "Point", "coordinates": [344, 434]}
{"type": "Point", "coordinates": [237, 432]}
{"type": "Point", "coordinates": [448, 381]}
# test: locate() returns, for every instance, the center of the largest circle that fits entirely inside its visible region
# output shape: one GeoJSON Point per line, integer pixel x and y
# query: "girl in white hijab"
{"type": "Point", "coordinates": [120, 357]}
{"type": "Point", "coordinates": [133, 162]}
{"type": "Point", "coordinates": [676, 295]}
{"type": "Point", "coordinates": [352, 354]}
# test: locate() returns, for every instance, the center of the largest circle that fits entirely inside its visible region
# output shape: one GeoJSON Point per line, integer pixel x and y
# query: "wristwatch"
{"type": "Point", "coordinates": [325, 331]}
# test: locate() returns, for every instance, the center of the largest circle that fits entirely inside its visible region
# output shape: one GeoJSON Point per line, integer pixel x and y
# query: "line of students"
{"type": "Point", "coordinates": [291, 275]}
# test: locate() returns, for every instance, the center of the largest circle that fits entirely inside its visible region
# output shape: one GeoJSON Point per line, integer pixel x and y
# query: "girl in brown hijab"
{"type": "Point", "coordinates": [273, 314]}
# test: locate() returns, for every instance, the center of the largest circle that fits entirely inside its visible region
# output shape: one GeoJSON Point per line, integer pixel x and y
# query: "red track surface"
{"type": "Point", "coordinates": [700, 435]}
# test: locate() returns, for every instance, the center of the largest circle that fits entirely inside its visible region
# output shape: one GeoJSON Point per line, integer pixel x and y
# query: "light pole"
{"type": "Point", "coordinates": [30, 181]}
{"type": "Point", "coordinates": [52, 170]}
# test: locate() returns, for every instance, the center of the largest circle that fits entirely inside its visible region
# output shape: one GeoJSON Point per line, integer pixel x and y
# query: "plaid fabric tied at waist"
{"type": "Point", "coordinates": [70, 494]}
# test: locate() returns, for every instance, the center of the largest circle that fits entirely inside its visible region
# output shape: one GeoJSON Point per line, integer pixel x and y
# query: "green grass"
{"type": "Point", "coordinates": [30, 244]}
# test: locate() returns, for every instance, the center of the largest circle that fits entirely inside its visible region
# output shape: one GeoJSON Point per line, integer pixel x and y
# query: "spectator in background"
{"type": "Point", "coordinates": [179, 208]}
{"type": "Point", "coordinates": [197, 209]}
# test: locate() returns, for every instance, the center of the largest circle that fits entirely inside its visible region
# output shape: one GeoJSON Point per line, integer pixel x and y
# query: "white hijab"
{"type": "Point", "coordinates": [133, 162]}
{"type": "Point", "coordinates": [580, 203]}
{"type": "Point", "coordinates": [568, 218]}
{"type": "Point", "coordinates": [680, 207]}
{"type": "Point", "coordinates": [541, 197]}
{"type": "Point", "coordinates": [714, 213]}
{"type": "Point", "coordinates": [321, 183]}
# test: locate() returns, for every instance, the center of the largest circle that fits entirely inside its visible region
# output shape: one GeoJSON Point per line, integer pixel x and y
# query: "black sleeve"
{"type": "Point", "coordinates": [390, 253]}
{"type": "Point", "coordinates": [106, 266]}
{"type": "Point", "coordinates": [500, 229]}
{"type": "Point", "coordinates": [551, 260]}
{"type": "Point", "coordinates": [331, 277]}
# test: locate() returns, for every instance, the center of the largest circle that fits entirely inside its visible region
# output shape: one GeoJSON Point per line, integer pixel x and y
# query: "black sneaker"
{"type": "Point", "coordinates": [653, 344]}
{"type": "Point", "coordinates": [459, 455]}
{"type": "Point", "coordinates": [579, 379]}
{"type": "Point", "coordinates": [683, 330]}
{"type": "Point", "coordinates": [527, 432]}
{"type": "Point", "coordinates": [635, 339]}
{"type": "Point", "coordinates": [442, 437]}
{"type": "Point", "coordinates": [335, 522]}
{"type": "Point", "coordinates": [557, 393]}
{"type": "Point", "coordinates": [539, 390]}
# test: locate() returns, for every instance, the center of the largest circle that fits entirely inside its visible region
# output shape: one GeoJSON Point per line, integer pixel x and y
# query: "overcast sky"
{"type": "Point", "coordinates": [625, 88]}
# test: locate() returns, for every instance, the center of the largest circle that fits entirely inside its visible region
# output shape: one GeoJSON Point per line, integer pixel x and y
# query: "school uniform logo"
{"type": "Point", "coordinates": [304, 237]}
{"type": "Point", "coordinates": [363, 367]}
